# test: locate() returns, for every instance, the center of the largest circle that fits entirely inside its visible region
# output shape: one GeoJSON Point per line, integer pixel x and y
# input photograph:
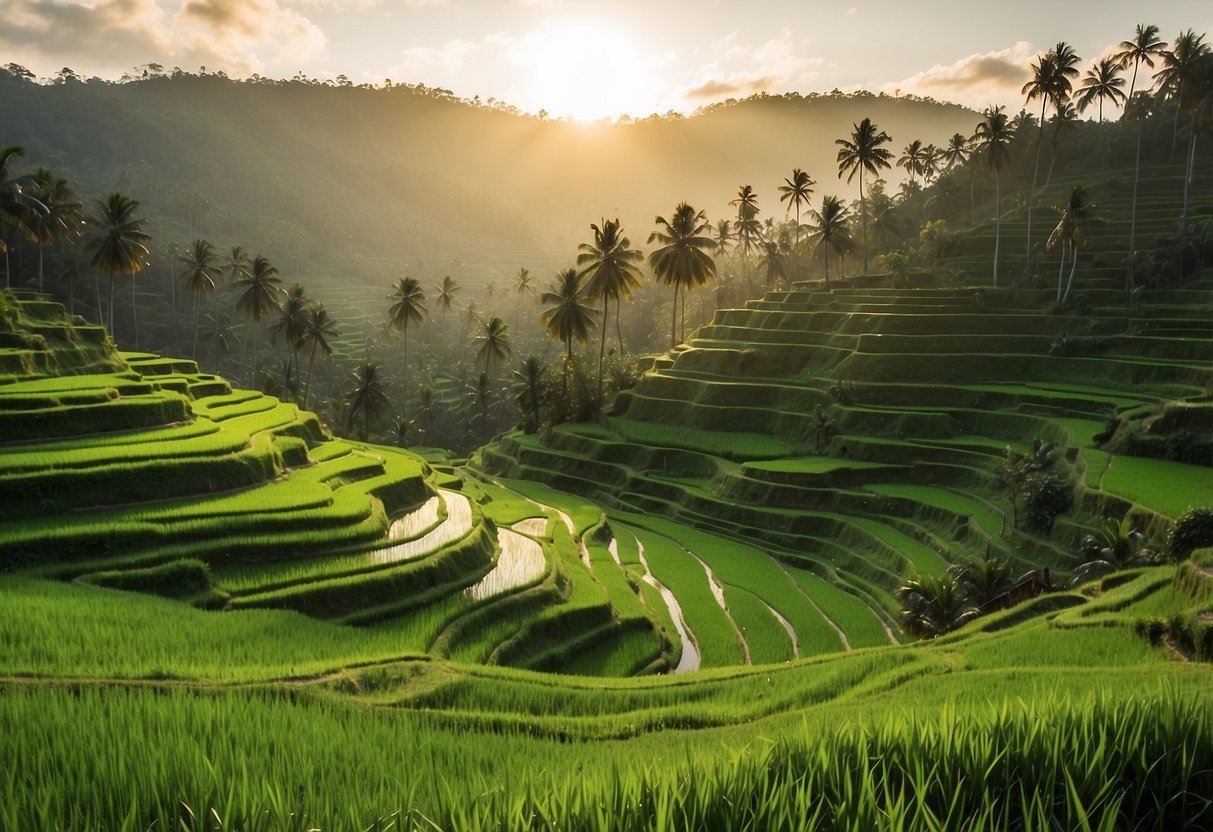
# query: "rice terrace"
{"type": "Point", "coordinates": [471, 451]}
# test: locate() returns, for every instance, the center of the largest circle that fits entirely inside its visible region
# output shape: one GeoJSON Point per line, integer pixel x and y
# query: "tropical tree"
{"type": "Point", "coordinates": [1050, 83]}
{"type": "Point", "coordinates": [291, 326]}
{"type": "Point", "coordinates": [494, 344]}
{"type": "Point", "coordinates": [830, 232]}
{"type": "Point", "coordinates": [260, 293]}
{"type": "Point", "coordinates": [609, 272]}
{"type": "Point", "coordinates": [748, 230]}
{"type": "Point", "coordinates": [367, 397]}
{"type": "Point", "coordinates": [1101, 83]}
{"type": "Point", "coordinates": [63, 220]}
{"type": "Point", "coordinates": [722, 238]}
{"type": "Point", "coordinates": [1142, 49]}
{"type": "Point", "coordinates": [202, 275]}
{"type": "Point", "coordinates": [796, 191]}
{"type": "Point", "coordinates": [982, 581]}
{"type": "Point", "coordinates": [528, 385]}
{"type": "Point", "coordinates": [993, 145]}
{"type": "Point", "coordinates": [933, 605]}
{"type": "Point", "coordinates": [1181, 68]}
{"type": "Point", "coordinates": [239, 265]}
{"type": "Point", "coordinates": [408, 307]}
{"type": "Point", "coordinates": [1069, 237]}
{"type": "Point", "coordinates": [773, 263]}
{"type": "Point", "coordinates": [1065, 119]}
{"type": "Point", "coordinates": [523, 284]}
{"type": "Point", "coordinates": [119, 245]}
{"type": "Point", "coordinates": [932, 158]}
{"type": "Point", "coordinates": [957, 151]}
{"type": "Point", "coordinates": [863, 153]}
{"type": "Point", "coordinates": [219, 332]}
{"type": "Point", "coordinates": [683, 260]}
{"type": "Point", "coordinates": [1137, 109]}
{"type": "Point", "coordinates": [20, 207]}
{"type": "Point", "coordinates": [912, 159]}
{"type": "Point", "coordinates": [568, 316]}
{"type": "Point", "coordinates": [318, 329]}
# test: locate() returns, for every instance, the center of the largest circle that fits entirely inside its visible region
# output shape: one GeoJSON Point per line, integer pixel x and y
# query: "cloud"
{"type": "Point", "coordinates": [108, 32]}
{"type": "Point", "coordinates": [977, 80]}
{"type": "Point", "coordinates": [715, 89]}
{"type": "Point", "coordinates": [426, 62]}
{"type": "Point", "coordinates": [738, 69]}
{"type": "Point", "coordinates": [110, 36]}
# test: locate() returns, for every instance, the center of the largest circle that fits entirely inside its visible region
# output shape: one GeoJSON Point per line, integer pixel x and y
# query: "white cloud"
{"type": "Point", "coordinates": [976, 80]}
{"type": "Point", "coordinates": [738, 70]}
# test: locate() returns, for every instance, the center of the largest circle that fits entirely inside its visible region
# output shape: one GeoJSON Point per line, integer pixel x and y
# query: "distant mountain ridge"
{"type": "Point", "coordinates": [366, 181]}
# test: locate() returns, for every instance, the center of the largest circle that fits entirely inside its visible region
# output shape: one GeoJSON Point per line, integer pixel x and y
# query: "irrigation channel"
{"type": "Point", "coordinates": [457, 525]}
{"type": "Point", "coordinates": [690, 650]}
{"type": "Point", "coordinates": [521, 561]}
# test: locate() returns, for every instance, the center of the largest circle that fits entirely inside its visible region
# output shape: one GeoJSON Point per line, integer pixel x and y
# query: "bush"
{"type": "Point", "coordinates": [1193, 530]}
{"type": "Point", "coordinates": [1046, 495]}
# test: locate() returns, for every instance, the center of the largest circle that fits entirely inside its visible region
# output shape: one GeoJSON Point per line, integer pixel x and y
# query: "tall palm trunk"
{"type": "Point", "coordinates": [618, 328]}
{"type": "Point", "coordinates": [1040, 139]}
{"type": "Point", "coordinates": [997, 223]}
{"type": "Point", "coordinates": [134, 315]}
{"type": "Point", "coordinates": [40, 247]}
{"type": "Point", "coordinates": [863, 216]}
{"type": "Point", "coordinates": [1189, 170]}
{"type": "Point", "coordinates": [1061, 267]}
{"type": "Point", "coordinates": [674, 317]}
{"type": "Point", "coordinates": [827, 259]}
{"type": "Point", "coordinates": [1132, 266]}
{"type": "Point", "coordinates": [601, 346]}
{"type": "Point", "coordinates": [195, 351]}
{"type": "Point", "coordinates": [1073, 265]}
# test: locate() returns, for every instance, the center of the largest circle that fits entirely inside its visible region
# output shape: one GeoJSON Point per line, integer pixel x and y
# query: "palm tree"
{"type": "Point", "coordinates": [1181, 66]}
{"type": "Point", "coordinates": [912, 159]}
{"type": "Point", "coordinates": [291, 326]}
{"type": "Point", "coordinates": [683, 260]}
{"type": "Point", "coordinates": [239, 265]}
{"type": "Point", "coordinates": [773, 263]}
{"type": "Point", "coordinates": [260, 293]}
{"type": "Point", "coordinates": [568, 316]}
{"type": "Point", "coordinates": [119, 245]}
{"type": "Point", "coordinates": [408, 307]}
{"type": "Point", "coordinates": [748, 230]}
{"type": "Point", "coordinates": [796, 191]}
{"type": "Point", "coordinates": [64, 217]}
{"type": "Point", "coordinates": [522, 285]}
{"type": "Point", "coordinates": [1068, 235]}
{"type": "Point", "coordinates": [1066, 118]}
{"type": "Point", "coordinates": [957, 151]}
{"type": "Point", "coordinates": [218, 330]}
{"type": "Point", "coordinates": [863, 152]}
{"type": "Point", "coordinates": [1142, 49]}
{"type": "Point", "coordinates": [1101, 83]}
{"type": "Point", "coordinates": [1137, 110]}
{"type": "Point", "coordinates": [317, 330]}
{"type": "Point", "coordinates": [830, 230]}
{"type": "Point", "coordinates": [201, 276]}
{"type": "Point", "coordinates": [367, 397]}
{"type": "Point", "coordinates": [610, 273]}
{"type": "Point", "coordinates": [993, 138]}
{"type": "Point", "coordinates": [494, 344]}
{"type": "Point", "coordinates": [528, 383]}
{"type": "Point", "coordinates": [20, 207]}
{"type": "Point", "coordinates": [933, 605]}
{"type": "Point", "coordinates": [1050, 83]}
{"type": "Point", "coordinates": [722, 238]}
{"type": "Point", "coordinates": [982, 581]}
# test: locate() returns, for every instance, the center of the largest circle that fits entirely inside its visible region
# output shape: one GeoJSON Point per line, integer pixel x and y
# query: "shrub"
{"type": "Point", "coordinates": [1046, 495]}
{"type": "Point", "coordinates": [1193, 530]}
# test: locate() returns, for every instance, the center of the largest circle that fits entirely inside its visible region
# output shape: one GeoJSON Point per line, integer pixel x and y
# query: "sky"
{"type": "Point", "coordinates": [591, 60]}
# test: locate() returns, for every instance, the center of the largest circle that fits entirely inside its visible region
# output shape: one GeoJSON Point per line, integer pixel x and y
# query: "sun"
{"type": "Point", "coordinates": [583, 71]}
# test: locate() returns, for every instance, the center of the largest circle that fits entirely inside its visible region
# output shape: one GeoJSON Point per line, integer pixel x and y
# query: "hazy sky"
{"type": "Point", "coordinates": [591, 59]}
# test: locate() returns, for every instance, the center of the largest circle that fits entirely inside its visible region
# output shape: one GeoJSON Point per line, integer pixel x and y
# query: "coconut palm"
{"type": "Point", "coordinates": [367, 397]}
{"type": "Point", "coordinates": [773, 263]}
{"type": "Point", "coordinates": [1137, 110]}
{"type": "Point", "coordinates": [748, 230]}
{"type": "Point", "coordinates": [957, 151]}
{"type": "Point", "coordinates": [202, 275]}
{"type": "Point", "coordinates": [863, 152]}
{"type": "Point", "coordinates": [528, 382]}
{"type": "Point", "coordinates": [291, 327]}
{"type": "Point", "coordinates": [1051, 83]}
{"type": "Point", "coordinates": [63, 220]}
{"type": "Point", "coordinates": [260, 293]}
{"type": "Point", "coordinates": [21, 209]}
{"type": "Point", "coordinates": [1065, 119]}
{"type": "Point", "coordinates": [982, 581]}
{"type": "Point", "coordinates": [408, 307]}
{"type": "Point", "coordinates": [219, 332]}
{"type": "Point", "coordinates": [796, 191]}
{"type": "Point", "coordinates": [119, 245]}
{"type": "Point", "coordinates": [1142, 49]}
{"type": "Point", "coordinates": [318, 328]}
{"type": "Point", "coordinates": [1102, 83]}
{"type": "Point", "coordinates": [1181, 68]}
{"type": "Point", "coordinates": [1069, 237]}
{"type": "Point", "coordinates": [933, 605]}
{"type": "Point", "coordinates": [523, 284]}
{"type": "Point", "coordinates": [912, 159]}
{"type": "Point", "coordinates": [568, 316]}
{"type": "Point", "coordinates": [494, 343]}
{"type": "Point", "coordinates": [239, 264]}
{"type": "Point", "coordinates": [683, 260]}
{"type": "Point", "coordinates": [993, 146]}
{"type": "Point", "coordinates": [609, 272]}
{"type": "Point", "coordinates": [830, 231]}
{"type": "Point", "coordinates": [722, 238]}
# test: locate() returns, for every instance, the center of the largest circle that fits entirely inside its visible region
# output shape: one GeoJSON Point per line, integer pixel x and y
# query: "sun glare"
{"type": "Point", "coordinates": [583, 71]}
